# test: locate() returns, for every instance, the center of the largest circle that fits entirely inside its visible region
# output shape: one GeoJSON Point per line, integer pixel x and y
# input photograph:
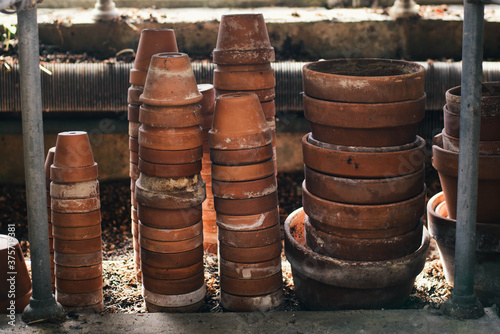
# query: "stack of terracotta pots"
{"type": "Point", "coordinates": [170, 190]}
{"type": "Point", "coordinates": [243, 55]}
{"type": "Point", "coordinates": [209, 217]}
{"type": "Point", "coordinates": [151, 41]}
{"type": "Point", "coordinates": [48, 162]}
{"type": "Point", "coordinates": [245, 199]}
{"type": "Point", "coordinates": [442, 208]}
{"type": "Point", "coordinates": [364, 192]}
{"type": "Point", "coordinates": [15, 290]}
{"type": "Point", "coordinates": [76, 220]}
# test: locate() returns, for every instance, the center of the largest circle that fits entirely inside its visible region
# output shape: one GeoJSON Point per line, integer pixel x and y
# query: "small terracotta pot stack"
{"type": "Point", "coordinates": [364, 192]}
{"type": "Point", "coordinates": [151, 41]}
{"type": "Point", "coordinates": [76, 223]}
{"type": "Point", "coordinates": [48, 162]}
{"type": "Point", "coordinates": [245, 199]}
{"type": "Point", "coordinates": [170, 190]}
{"type": "Point", "coordinates": [209, 217]}
{"type": "Point", "coordinates": [243, 55]}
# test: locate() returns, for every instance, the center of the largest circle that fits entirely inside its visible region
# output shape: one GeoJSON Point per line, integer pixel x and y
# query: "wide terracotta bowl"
{"type": "Point", "coordinates": [490, 125]}
{"type": "Point", "coordinates": [326, 283]}
{"type": "Point", "coordinates": [363, 80]}
{"type": "Point", "coordinates": [364, 124]}
{"type": "Point", "coordinates": [490, 98]}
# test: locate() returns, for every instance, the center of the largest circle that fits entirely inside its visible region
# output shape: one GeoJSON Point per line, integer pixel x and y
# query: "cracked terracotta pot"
{"type": "Point", "coordinates": [73, 150]}
{"type": "Point", "coordinates": [490, 126]}
{"type": "Point", "coordinates": [490, 99]}
{"type": "Point", "coordinates": [245, 207]}
{"type": "Point", "coordinates": [172, 273]}
{"type": "Point", "coordinates": [363, 80]}
{"type": "Point", "coordinates": [487, 250]}
{"type": "Point", "coordinates": [243, 39]}
{"type": "Point", "coordinates": [364, 191]}
{"type": "Point", "coordinates": [250, 270]}
{"type": "Point", "coordinates": [76, 273]}
{"type": "Point", "coordinates": [363, 249]}
{"type": "Point", "coordinates": [263, 303]}
{"type": "Point", "coordinates": [264, 95]}
{"type": "Point", "coordinates": [171, 117]}
{"type": "Point", "coordinates": [174, 218]}
{"type": "Point", "coordinates": [255, 238]}
{"type": "Point", "coordinates": [151, 41]}
{"type": "Point", "coordinates": [169, 170]}
{"type": "Point", "coordinates": [349, 161]}
{"type": "Point", "coordinates": [364, 124]}
{"type": "Point", "coordinates": [78, 260]}
{"type": "Point", "coordinates": [170, 81]}
{"type": "Point", "coordinates": [171, 260]}
{"type": "Point", "coordinates": [489, 147]}
{"type": "Point", "coordinates": [79, 285]}
{"type": "Point", "coordinates": [244, 189]}
{"type": "Point", "coordinates": [229, 132]}
{"type": "Point", "coordinates": [241, 157]}
{"type": "Point", "coordinates": [173, 286]}
{"type": "Point", "coordinates": [188, 302]}
{"type": "Point", "coordinates": [169, 156]}
{"type": "Point", "coordinates": [326, 283]}
{"type": "Point", "coordinates": [251, 287]}
{"type": "Point", "coordinates": [243, 172]}
{"type": "Point", "coordinates": [170, 139]}
{"type": "Point", "coordinates": [363, 217]}
{"type": "Point", "coordinates": [446, 163]}
{"type": "Point", "coordinates": [243, 78]}
{"type": "Point", "coordinates": [249, 222]}
{"type": "Point", "coordinates": [250, 254]}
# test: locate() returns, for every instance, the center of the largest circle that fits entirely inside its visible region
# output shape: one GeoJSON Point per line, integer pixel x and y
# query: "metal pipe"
{"type": "Point", "coordinates": [42, 305]}
{"type": "Point", "coordinates": [463, 302]}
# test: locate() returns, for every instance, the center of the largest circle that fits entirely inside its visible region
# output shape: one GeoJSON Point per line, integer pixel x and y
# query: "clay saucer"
{"type": "Point", "coordinates": [171, 260]}
{"type": "Point", "coordinates": [241, 157]}
{"type": "Point", "coordinates": [245, 207]}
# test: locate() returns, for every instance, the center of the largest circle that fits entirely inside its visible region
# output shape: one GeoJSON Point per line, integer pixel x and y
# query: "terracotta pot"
{"type": "Point", "coordinates": [229, 132]}
{"type": "Point", "coordinates": [152, 41]}
{"type": "Point", "coordinates": [243, 39]}
{"type": "Point", "coordinates": [80, 273]}
{"type": "Point", "coordinates": [241, 157]}
{"type": "Point", "coordinates": [166, 156]}
{"type": "Point", "coordinates": [78, 246]}
{"type": "Point", "coordinates": [326, 283]}
{"type": "Point", "coordinates": [75, 205]}
{"type": "Point", "coordinates": [342, 161]}
{"type": "Point", "coordinates": [242, 173]}
{"type": "Point", "coordinates": [264, 303]}
{"type": "Point", "coordinates": [49, 160]}
{"type": "Point", "coordinates": [134, 157]}
{"type": "Point", "coordinates": [171, 193]}
{"type": "Point", "coordinates": [188, 302]}
{"type": "Point", "coordinates": [78, 260]}
{"type": "Point", "coordinates": [490, 99]}
{"type": "Point", "coordinates": [79, 299]}
{"type": "Point", "coordinates": [363, 80]}
{"type": "Point", "coordinates": [206, 125]}
{"type": "Point", "coordinates": [171, 117]}
{"type": "Point", "coordinates": [172, 234]}
{"type": "Point", "coordinates": [77, 233]}
{"type": "Point", "coordinates": [208, 102]}
{"type": "Point", "coordinates": [174, 286]}
{"type": "Point", "coordinates": [133, 129]}
{"type": "Point", "coordinates": [169, 170]}
{"type": "Point", "coordinates": [170, 138]}
{"type": "Point", "coordinates": [258, 238]}
{"type": "Point", "coordinates": [244, 189]}
{"type": "Point", "coordinates": [133, 144]}
{"type": "Point", "coordinates": [175, 218]}
{"type": "Point", "coordinates": [69, 174]}
{"type": "Point", "coordinates": [133, 113]}
{"type": "Point", "coordinates": [134, 171]}
{"type": "Point", "coordinates": [364, 191]}
{"type": "Point", "coordinates": [170, 81]}
{"type": "Point", "coordinates": [236, 79]}
{"type": "Point", "coordinates": [77, 190]}
{"type": "Point", "coordinates": [489, 147]}
{"type": "Point", "coordinates": [251, 287]}
{"type": "Point", "coordinates": [446, 163]}
{"type": "Point", "coordinates": [487, 250]}
{"type": "Point", "coordinates": [269, 108]}
{"type": "Point", "coordinates": [78, 286]}
{"type": "Point", "coordinates": [250, 270]}
{"type": "Point", "coordinates": [264, 95]}
{"type": "Point", "coordinates": [249, 222]}
{"type": "Point", "coordinates": [490, 126]}
{"type": "Point", "coordinates": [361, 249]}
{"type": "Point", "coordinates": [210, 242]}
{"type": "Point", "coordinates": [250, 254]}
{"type": "Point", "coordinates": [363, 217]}
{"type": "Point", "coordinates": [73, 150]}
{"type": "Point", "coordinates": [245, 207]}
{"type": "Point", "coordinates": [364, 124]}
{"type": "Point", "coordinates": [171, 260]}
{"type": "Point", "coordinates": [170, 274]}
{"type": "Point", "coordinates": [171, 246]}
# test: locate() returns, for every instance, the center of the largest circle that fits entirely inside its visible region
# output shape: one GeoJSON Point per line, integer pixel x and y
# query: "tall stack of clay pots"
{"type": "Point", "coordinates": [151, 41]}
{"type": "Point", "coordinates": [243, 55]}
{"type": "Point", "coordinates": [209, 217]}
{"type": "Point", "coordinates": [170, 190]}
{"type": "Point", "coordinates": [48, 162]}
{"type": "Point", "coordinates": [76, 220]}
{"type": "Point", "coordinates": [364, 192]}
{"type": "Point", "coordinates": [442, 208]}
{"type": "Point", "coordinates": [245, 199]}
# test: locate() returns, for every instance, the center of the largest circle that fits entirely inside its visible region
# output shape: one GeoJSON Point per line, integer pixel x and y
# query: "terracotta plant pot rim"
{"type": "Point", "coordinates": [360, 149]}
{"type": "Point", "coordinates": [486, 147]}
{"type": "Point", "coordinates": [490, 104]}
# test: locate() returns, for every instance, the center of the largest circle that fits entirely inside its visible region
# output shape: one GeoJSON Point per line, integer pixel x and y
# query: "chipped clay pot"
{"type": "Point", "coordinates": [489, 147]}
{"type": "Point", "coordinates": [490, 125]}
{"type": "Point", "coordinates": [364, 124]}
{"type": "Point", "coordinates": [170, 81]}
{"type": "Point", "coordinates": [243, 39]}
{"type": "Point", "coordinates": [152, 41]}
{"type": "Point", "coordinates": [229, 132]}
{"type": "Point", "coordinates": [487, 250]}
{"type": "Point", "coordinates": [325, 283]}
{"type": "Point", "coordinates": [490, 99]}
{"type": "Point", "coordinates": [242, 78]}
{"type": "Point", "coordinates": [446, 163]}
{"type": "Point", "coordinates": [241, 157]}
{"type": "Point", "coordinates": [363, 80]}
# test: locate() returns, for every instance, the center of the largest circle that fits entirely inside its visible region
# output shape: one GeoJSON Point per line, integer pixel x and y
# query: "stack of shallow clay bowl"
{"type": "Point", "coordinates": [442, 209]}
{"type": "Point", "coordinates": [76, 223]}
{"type": "Point", "coordinates": [151, 41]}
{"type": "Point", "coordinates": [209, 217]}
{"type": "Point", "coordinates": [243, 55]}
{"type": "Point", "coordinates": [364, 192]}
{"type": "Point", "coordinates": [48, 162]}
{"type": "Point", "coordinates": [170, 190]}
{"type": "Point", "coordinates": [245, 198]}
{"type": "Point", "coordinates": [15, 290]}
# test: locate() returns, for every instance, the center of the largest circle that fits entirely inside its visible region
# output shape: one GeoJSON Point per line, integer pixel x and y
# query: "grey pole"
{"type": "Point", "coordinates": [463, 303]}
{"type": "Point", "coordinates": [43, 306]}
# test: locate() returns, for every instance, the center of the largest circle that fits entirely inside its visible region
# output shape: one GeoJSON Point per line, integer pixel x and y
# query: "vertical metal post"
{"type": "Point", "coordinates": [43, 306]}
{"type": "Point", "coordinates": [463, 303]}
